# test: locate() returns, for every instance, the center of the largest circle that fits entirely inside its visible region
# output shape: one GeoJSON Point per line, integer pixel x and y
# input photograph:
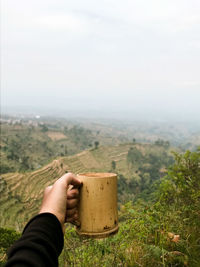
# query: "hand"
{"type": "Point", "coordinates": [62, 201]}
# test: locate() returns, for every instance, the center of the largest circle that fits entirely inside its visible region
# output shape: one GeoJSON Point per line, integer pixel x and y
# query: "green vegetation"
{"type": "Point", "coordinates": [162, 233]}
{"type": "Point", "coordinates": [113, 165]}
{"type": "Point", "coordinates": [158, 192]}
{"type": "Point", "coordinates": [28, 143]}
{"type": "Point", "coordinates": [7, 238]}
{"type": "Point", "coordinates": [21, 193]}
{"type": "Point", "coordinates": [25, 148]}
{"type": "Point", "coordinates": [96, 144]}
{"type": "Point", "coordinates": [161, 142]}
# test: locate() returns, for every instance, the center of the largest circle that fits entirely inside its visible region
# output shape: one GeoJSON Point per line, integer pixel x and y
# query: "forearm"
{"type": "Point", "coordinates": [40, 245]}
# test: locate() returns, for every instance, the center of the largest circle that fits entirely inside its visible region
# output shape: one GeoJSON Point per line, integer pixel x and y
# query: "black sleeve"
{"type": "Point", "coordinates": [40, 245]}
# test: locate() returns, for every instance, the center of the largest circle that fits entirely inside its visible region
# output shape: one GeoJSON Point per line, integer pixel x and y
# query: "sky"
{"type": "Point", "coordinates": [108, 56]}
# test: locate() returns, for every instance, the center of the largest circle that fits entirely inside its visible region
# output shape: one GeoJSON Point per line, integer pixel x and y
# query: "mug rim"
{"type": "Point", "coordinates": [98, 174]}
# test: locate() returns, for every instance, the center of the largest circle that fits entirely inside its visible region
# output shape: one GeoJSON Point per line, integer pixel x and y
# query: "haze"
{"type": "Point", "coordinates": [101, 57]}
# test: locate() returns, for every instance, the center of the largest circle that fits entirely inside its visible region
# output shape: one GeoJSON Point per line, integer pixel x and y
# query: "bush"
{"type": "Point", "coordinates": [165, 233]}
{"type": "Point", "coordinates": [7, 238]}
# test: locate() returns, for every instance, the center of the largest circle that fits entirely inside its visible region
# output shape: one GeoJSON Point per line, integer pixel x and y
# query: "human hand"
{"type": "Point", "coordinates": [62, 201]}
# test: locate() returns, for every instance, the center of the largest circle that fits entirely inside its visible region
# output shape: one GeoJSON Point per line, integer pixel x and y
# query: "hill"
{"type": "Point", "coordinates": [21, 193]}
{"type": "Point", "coordinates": [162, 232]}
{"type": "Point", "coordinates": [28, 144]}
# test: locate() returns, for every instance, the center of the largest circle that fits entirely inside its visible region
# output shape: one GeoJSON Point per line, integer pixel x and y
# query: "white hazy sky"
{"type": "Point", "coordinates": [110, 54]}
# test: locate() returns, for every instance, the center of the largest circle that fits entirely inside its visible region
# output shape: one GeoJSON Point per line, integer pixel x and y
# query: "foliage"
{"type": "Point", "coordinates": [163, 233]}
{"type": "Point", "coordinates": [44, 128]}
{"type": "Point", "coordinates": [127, 189]}
{"type": "Point", "coordinates": [163, 143]}
{"type": "Point", "coordinates": [24, 148]}
{"type": "Point", "coordinates": [148, 169]}
{"type": "Point", "coordinates": [5, 168]}
{"type": "Point", "coordinates": [96, 144]}
{"type": "Point", "coordinates": [79, 136]}
{"type": "Point", "coordinates": [113, 165]}
{"type": "Point", "coordinates": [7, 238]}
{"type": "Point", "coordinates": [134, 155]}
{"type": "Point", "coordinates": [182, 186]}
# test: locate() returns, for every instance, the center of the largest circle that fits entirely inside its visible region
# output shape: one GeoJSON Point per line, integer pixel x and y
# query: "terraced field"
{"type": "Point", "coordinates": [21, 193]}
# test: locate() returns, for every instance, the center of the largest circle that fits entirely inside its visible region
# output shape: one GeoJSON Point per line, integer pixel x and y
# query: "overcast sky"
{"type": "Point", "coordinates": [114, 55]}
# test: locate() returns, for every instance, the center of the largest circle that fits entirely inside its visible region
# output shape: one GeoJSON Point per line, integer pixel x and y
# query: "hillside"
{"type": "Point", "coordinates": [28, 147]}
{"type": "Point", "coordinates": [29, 144]}
{"type": "Point", "coordinates": [21, 193]}
{"type": "Point", "coordinates": [162, 232]}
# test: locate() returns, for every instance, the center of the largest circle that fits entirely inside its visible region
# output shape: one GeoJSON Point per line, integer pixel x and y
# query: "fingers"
{"type": "Point", "coordinates": [73, 193]}
{"type": "Point", "coordinates": [72, 206]}
{"type": "Point", "coordinates": [70, 179]}
{"type": "Point", "coordinates": [72, 212]}
{"type": "Point", "coordinates": [62, 201]}
{"type": "Point", "coordinates": [71, 215]}
{"type": "Point", "coordinates": [72, 203]}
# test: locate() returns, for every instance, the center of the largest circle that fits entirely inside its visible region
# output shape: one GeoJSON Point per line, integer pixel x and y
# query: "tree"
{"type": "Point", "coordinates": [4, 168]}
{"type": "Point", "coordinates": [24, 163]}
{"type": "Point", "coordinates": [65, 150]}
{"type": "Point", "coordinates": [7, 238]}
{"type": "Point", "coordinates": [134, 155]}
{"type": "Point", "coordinates": [80, 136]}
{"type": "Point", "coordinates": [44, 128]}
{"type": "Point", "coordinates": [182, 185]}
{"type": "Point", "coordinates": [96, 144]}
{"type": "Point", "coordinates": [163, 143]}
{"type": "Point", "coordinates": [113, 165]}
{"type": "Point", "coordinates": [13, 150]}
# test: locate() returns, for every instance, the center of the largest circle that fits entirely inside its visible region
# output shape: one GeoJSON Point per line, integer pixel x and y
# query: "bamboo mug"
{"type": "Point", "coordinates": [98, 213]}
